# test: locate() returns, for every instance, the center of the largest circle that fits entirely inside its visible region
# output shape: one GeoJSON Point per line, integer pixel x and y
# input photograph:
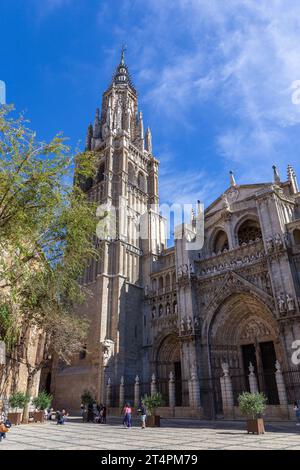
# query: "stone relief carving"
{"type": "Point", "coordinates": [255, 329]}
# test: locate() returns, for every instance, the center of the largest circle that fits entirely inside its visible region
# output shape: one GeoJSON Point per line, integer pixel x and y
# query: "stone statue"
{"type": "Point", "coordinates": [290, 303]}
{"type": "Point", "coordinates": [196, 323]}
{"type": "Point", "coordinates": [225, 368]}
{"type": "Point", "coordinates": [278, 241]}
{"type": "Point", "coordinates": [168, 309]}
{"type": "Point", "coordinates": [182, 326]}
{"type": "Point", "coordinates": [189, 324]}
{"type": "Point", "coordinates": [107, 351]}
{"type": "Point", "coordinates": [251, 368]}
{"type": "Point", "coordinates": [277, 366]}
{"type": "Point", "coordinates": [226, 202]}
{"type": "Point", "coordinates": [281, 303]}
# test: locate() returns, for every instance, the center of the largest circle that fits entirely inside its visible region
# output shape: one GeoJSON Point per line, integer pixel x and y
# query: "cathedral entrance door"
{"type": "Point", "coordinates": [249, 355]}
{"type": "Point", "coordinates": [268, 359]}
{"type": "Point", "coordinates": [178, 384]}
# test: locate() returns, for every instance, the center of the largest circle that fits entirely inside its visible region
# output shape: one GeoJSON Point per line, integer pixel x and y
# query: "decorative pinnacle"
{"type": "Point", "coordinates": [124, 48]}
{"type": "Point", "coordinates": [232, 179]}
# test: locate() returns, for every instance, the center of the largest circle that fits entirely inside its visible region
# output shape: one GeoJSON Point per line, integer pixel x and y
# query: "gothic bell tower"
{"type": "Point", "coordinates": [126, 183]}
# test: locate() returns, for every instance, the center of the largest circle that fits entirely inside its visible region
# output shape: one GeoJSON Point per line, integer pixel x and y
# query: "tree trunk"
{"type": "Point", "coordinates": [30, 380]}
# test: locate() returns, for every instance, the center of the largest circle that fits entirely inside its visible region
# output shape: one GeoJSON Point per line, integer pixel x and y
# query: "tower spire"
{"type": "Point", "coordinates": [124, 47]}
{"type": "Point", "coordinates": [276, 175]}
{"type": "Point", "coordinates": [292, 179]}
{"type": "Point", "coordinates": [232, 179]}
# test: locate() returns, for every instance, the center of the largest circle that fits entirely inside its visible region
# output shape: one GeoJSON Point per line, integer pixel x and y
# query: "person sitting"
{"type": "Point", "coordinates": [60, 419]}
{"type": "Point", "coordinates": [103, 415]}
{"type": "Point", "coordinates": [4, 428]}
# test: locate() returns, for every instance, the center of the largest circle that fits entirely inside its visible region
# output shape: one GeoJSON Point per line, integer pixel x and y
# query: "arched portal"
{"type": "Point", "coordinates": [168, 360]}
{"type": "Point", "coordinates": [243, 330]}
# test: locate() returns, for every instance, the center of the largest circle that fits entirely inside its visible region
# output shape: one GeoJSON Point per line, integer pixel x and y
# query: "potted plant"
{"type": "Point", "coordinates": [152, 402]}
{"type": "Point", "coordinates": [17, 401]}
{"type": "Point", "coordinates": [253, 405]}
{"type": "Point", "coordinates": [41, 403]}
{"type": "Point", "coordinates": [86, 401]}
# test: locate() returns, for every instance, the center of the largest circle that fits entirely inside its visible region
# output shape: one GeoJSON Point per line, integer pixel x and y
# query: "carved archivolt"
{"type": "Point", "coordinates": [241, 318]}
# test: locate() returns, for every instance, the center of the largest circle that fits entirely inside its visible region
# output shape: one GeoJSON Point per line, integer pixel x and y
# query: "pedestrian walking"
{"type": "Point", "coordinates": [143, 411]}
{"type": "Point", "coordinates": [103, 417]}
{"type": "Point", "coordinates": [297, 413]}
{"type": "Point", "coordinates": [127, 416]}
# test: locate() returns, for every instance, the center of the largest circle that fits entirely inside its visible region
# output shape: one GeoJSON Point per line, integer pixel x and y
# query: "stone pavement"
{"type": "Point", "coordinates": [174, 434]}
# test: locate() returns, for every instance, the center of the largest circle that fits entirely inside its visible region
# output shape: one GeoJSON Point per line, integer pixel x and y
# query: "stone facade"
{"type": "Point", "coordinates": [184, 315]}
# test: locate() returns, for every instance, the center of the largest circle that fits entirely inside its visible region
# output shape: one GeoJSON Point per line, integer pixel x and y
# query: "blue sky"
{"type": "Point", "coordinates": [215, 80]}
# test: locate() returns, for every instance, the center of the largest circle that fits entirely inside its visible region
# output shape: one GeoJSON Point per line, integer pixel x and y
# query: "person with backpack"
{"type": "Point", "coordinates": [143, 411]}
{"type": "Point", "coordinates": [4, 428]}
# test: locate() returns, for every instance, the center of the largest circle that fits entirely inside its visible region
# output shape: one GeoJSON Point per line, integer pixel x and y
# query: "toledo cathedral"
{"type": "Point", "coordinates": [200, 326]}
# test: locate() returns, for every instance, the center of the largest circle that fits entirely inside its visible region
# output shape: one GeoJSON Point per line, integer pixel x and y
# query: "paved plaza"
{"type": "Point", "coordinates": [180, 434]}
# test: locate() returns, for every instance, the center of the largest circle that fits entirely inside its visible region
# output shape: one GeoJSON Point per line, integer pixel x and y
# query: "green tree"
{"type": "Point", "coordinates": [47, 230]}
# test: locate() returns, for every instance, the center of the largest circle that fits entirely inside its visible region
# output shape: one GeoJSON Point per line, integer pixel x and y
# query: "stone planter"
{"type": "Point", "coordinates": [36, 416]}
{"type": "Point", "coordinates": [153, 421]}
{"type": "Point", "coordinates": [15, 417]}
{"type": "Point", "coordinates": [255, 426]}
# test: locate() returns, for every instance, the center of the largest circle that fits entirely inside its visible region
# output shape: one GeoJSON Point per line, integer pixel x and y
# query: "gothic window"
{"type": "Point", "coordinates": [141, 182]}
{"type": "Point", "coordinates": [153, 312]}
{"type": "Point", "coordinates": [220, 242]}
{"type": "Point", "coordinates": [173, 280]}
{"type": "Point", "coordinates": [249, 231]}
{"type": "Point", "coordinates": [154, 285]}
{"type": "Point", "coordinates": [160, 310]}
{"type": "Point", "coordinates": [131, 173]}
{"type": "Point", "coordinates": [167, 281]}
{"type": "Point", "coordinates": [100, 175]}
{"type": "Point", "coordinates": [88, 184]}
{"type": "Point", "coordinates": [296, 234]}
{"type": "Point", "coordinates": [160, 283]}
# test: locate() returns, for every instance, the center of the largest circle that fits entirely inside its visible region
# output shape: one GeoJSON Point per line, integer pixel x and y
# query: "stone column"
{"type": "Point", "coordinates": [195, 389]}
{"type": "Point", "coordinates": [172, 401]}
{"type": "Point", "coordinates": [280, 385]}
{"type": "Point", "coordinates": [153, 385]}
{"type": "Point", "coordinates": [121, 394]}
{"type": "Point", "coordinates": [137, 392]}
{"type": "Point", "coordinates": [227, 392]}
{"type": "Point", "coordinates": [108, 392]}
{"type": "Point", "coordinates": [252, 379]}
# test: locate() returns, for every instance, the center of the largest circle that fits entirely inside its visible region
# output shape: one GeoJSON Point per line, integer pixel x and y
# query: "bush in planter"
{"type": "Point", "coordinates": [42, 401]}
{"type": "Point", "coordinates": [87, 398]}
{"type": "Point", "coordinates": [152, 402]}
{"type": "Point", "coordinates": [18, 400]}
{"type": "Point", "coordinates": [253, 406]}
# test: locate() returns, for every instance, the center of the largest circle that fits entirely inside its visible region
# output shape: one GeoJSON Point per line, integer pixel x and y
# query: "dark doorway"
{"type": "Point", "coordinates": [248, 351]}
{"type": "Point", "coordinates": [48, 383]}
{"type": "Point", "coordinates": [268, 359]}
{"type": "Point", "coordinates": [178, 384]}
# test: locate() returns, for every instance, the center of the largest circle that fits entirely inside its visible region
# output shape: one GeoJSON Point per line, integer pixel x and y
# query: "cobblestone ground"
{"type": "Point", "coordinates": [178, 434]}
